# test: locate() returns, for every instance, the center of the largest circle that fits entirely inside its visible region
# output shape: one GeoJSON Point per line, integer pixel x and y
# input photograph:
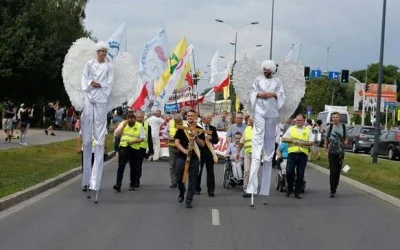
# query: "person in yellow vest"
{"type": "Point", "coordinates": [300, 138]}
{"type": "Point", "coordinates": [146, 146]}
{"type": "Point", "coordinates": [245, 142]}
{"type": "Point", "coordinates": [182, 144]}
{"type": "Point", "coordinates": [169, 133]}
{"type": "Point", "coordinates": [132, 134]}
{"type": "Point", "coordinates": [208, 156]}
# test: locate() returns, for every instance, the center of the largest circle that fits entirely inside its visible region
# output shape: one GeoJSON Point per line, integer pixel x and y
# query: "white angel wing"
{"type": "Point", "coordinates": [125, 80]}
{"type": "Point", "coordinates": [291, 73]}
{"type": "Point", "coordinates": [244, 73]}
{"type": "Point", "coordinates": [80, 52]}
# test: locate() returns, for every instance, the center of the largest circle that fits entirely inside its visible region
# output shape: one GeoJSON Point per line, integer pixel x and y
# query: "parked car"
{"type": "Point", "coordinates": [389, 144]}
{"type": "Point", "coordinates": [360, 138]}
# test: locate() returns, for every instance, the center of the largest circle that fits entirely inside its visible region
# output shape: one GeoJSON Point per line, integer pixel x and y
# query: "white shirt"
{"type": "Point", "coordinates": [155, 123]}
{"type": "Point", "coordinates": [267, 108]}
{"type": "Point", "coordinates": [102, 73]}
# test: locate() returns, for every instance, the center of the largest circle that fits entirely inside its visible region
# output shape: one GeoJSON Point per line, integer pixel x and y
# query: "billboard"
{"type": "Point", "coordinates": [388, 97]}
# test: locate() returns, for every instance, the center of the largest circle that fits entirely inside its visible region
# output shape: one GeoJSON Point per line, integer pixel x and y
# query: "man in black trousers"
{"type": "Point", "coordinates": [208, 156]}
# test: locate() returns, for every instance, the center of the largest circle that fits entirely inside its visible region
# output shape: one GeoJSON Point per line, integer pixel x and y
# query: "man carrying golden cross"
{"type": "Point", "coordinates": [188, 139]}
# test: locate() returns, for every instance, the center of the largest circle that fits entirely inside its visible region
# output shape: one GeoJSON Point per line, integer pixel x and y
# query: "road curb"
{"type": "Point", "coordinates": [372, 191]}
{"type": "Point", "coordinates": [39, 188]}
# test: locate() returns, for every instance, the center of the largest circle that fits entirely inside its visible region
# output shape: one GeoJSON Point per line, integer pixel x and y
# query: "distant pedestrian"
{"type": "Point", "coordinates": [336, 138]}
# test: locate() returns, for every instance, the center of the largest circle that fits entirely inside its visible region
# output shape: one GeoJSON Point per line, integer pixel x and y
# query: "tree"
{"type": "Point", "coordinates": [34, 39]}
{"type": "Point", "coordinates": [218, 96]}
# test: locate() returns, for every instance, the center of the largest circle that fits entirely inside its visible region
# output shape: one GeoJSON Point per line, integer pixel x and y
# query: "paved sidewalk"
{"type": "Point", "coordinates": [38, 137]}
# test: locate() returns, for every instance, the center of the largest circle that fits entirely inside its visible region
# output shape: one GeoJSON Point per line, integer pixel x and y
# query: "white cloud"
{"type": "Point", "coordinates": [350, 28]}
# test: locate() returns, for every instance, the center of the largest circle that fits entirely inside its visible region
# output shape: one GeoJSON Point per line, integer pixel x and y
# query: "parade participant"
{"type": "Point", "coordinates": [8, 114]}
{"type": "Point", "coordinates": [245, 142]}
{"type": "Point", "coordinates": [336, 138]}
{"type": "Point", "coordinates": [300, 138]}
{"type": "Point", "coordinates": [208, 156]}
{"type": "Point", "coordinates": [223, 124]}
{"type": "Point", "coordinates": [182, 139]}
{"type": "Point", "coordinates": [146, 146]}
{"type": "Point", "coordinates": [132, 134]}
{"type": "Point", "coordinates": [236, 162]}
{"type": "Point", "coordinates": [97, 82]}
{"type": "Point", "coordinates": [169, 133]}
{"type": "Point", "coordinates": [267, 97]}
{"type": "Point", "coordinates": [238, 126]}
{"type": "Point", "coordinates": [155, 121]}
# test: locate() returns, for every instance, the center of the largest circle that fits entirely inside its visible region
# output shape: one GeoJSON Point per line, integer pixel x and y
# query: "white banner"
{"type": "Point", "coordinates": [114, 42]}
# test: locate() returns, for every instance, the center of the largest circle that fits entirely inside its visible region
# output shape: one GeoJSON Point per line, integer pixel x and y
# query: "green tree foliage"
{"type": "Point", "coordinates": [34, 39]}
{"type": "Point", "coordinates": [319, 93]}
{"type": "Point", "coordinates": [391, 75]}
{"type": "Point", "coordinates": [218, 96]}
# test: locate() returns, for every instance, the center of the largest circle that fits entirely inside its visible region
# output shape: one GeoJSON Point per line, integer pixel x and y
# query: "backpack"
{"type": "Point", "coordinates": [336, 144]}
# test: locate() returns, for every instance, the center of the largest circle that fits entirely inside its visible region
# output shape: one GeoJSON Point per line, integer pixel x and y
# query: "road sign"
{"type": "Point", "coordinates": [309, 108]}
{"type": "Point", "coordinates": [333, 75]}
{"type": "Point", "coordinates": [315, 73]}
{"type": "Point", "coordinates": [390, 105]}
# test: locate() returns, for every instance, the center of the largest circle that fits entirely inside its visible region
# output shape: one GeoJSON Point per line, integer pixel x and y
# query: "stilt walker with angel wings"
{"type": "Point", "coordinates": [104, 84]}
{"type": "Point", "coordinates": [267, 100]}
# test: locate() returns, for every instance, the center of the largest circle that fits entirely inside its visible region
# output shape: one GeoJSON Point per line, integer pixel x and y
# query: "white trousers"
{"type": "Point", "coordinates": [237, 169]}
{"type": "Point", "coordinates": [263, 140]}
{"type": "Point", "coordinates": [93, 123]}
{"type": "Point", "coordinates": [156, 147]}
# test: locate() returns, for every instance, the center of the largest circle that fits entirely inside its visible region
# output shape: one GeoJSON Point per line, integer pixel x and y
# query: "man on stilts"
{"type": "Point", "coordinates": [97, 82]}
{"type": "Point", "coordinates": [267, 97]}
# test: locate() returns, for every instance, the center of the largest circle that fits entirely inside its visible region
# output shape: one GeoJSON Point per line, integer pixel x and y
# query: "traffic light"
{"type": "Point", "coordinates": [241, 107]}
{"type": "Point", "coordinates": [307, 73]}
{"type": "Point", "coordinates": [345, 76]}
{"type": "Point", "coordinates": [366, 87]}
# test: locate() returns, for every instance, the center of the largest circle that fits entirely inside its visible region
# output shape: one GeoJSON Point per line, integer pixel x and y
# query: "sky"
{"type": "Point", "coordinates": [350, 28]}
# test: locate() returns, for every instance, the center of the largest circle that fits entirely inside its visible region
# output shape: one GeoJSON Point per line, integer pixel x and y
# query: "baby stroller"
{"type": "Point", "coordinates": [281, 181]}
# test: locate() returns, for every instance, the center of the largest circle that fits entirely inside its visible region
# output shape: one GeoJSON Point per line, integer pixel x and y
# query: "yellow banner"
{"type": "Point", "coordinates": [398, 115]}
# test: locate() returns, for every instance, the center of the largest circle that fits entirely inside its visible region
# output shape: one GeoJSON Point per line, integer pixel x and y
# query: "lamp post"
{"type": "Point", "coordinates": [272, 29]}
{"type": "Point", "coordinates": [378, 104]}
{"type": "Point", "coordinates": [235, 27]}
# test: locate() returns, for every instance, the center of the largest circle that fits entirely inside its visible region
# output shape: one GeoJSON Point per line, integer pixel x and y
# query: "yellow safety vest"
{"type": "Point", "coordinates": [129, 134]}
{"type": "Point", "coordinates": [93, 142]}
{"type": "Point", "coordinates": [294, 134]}
{"type": "Point", "coordinates": [248, 134]}
{"type": "Point", "coordinates": [143, 144]}
{"type": "Point", "coordinates": [172, 131]}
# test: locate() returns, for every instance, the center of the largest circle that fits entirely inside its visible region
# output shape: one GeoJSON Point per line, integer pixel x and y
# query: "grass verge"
{"type": "Point", "coordinates": [25, 167]}
{"type": "Point", "coordinates": [384, 176]}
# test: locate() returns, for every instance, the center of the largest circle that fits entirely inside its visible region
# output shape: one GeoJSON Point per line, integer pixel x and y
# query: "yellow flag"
{"type": "Point", "coordinates": [226, 91]}
{"type": "Point", "coordinates": [237, 103]}
{"type": "Point", "coordinates": [173, 61]}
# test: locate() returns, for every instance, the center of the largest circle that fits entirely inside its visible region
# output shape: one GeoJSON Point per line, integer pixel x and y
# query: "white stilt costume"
{"type": "Point", "coordinates": [265, 119]}
{"type": "Point", "coordinates": [102, 87]}
{"type": "Point", "coordinates": [94, 115]}
{"type": "Point", "coordinates": [287, 81]}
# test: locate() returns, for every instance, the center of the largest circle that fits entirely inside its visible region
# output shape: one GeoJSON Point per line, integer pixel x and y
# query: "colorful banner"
{"type": "Point", "coordinates": [389, 96]}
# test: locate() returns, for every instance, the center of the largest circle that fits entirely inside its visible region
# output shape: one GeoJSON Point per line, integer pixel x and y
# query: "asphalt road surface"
{"type": "Point", "coordinates": [151, 218]}
{"type": "Point", "coordinates": [38, 137]}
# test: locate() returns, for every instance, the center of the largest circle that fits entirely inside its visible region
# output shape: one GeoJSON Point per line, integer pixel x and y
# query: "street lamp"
{"type": "Point", "coordinates": [235, 27]}
{"type": "Point", "coordinates": [378, 104]}
{"type": "Point", "coordinates": [272, 29]}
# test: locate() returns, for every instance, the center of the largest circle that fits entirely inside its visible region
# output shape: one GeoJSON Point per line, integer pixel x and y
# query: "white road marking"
{"type": "Point", "coordinates": [215, 217]}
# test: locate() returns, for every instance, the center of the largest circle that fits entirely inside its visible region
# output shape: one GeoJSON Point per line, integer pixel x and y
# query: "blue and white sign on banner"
{"type": "Point", "coordinates": [333, 75]}
{"type": "Point", "coordinates": [171, 107]}
{"type": "Point", "coordinates": [315, 73]}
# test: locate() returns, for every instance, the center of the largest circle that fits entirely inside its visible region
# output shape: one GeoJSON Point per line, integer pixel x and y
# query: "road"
{"type": "Point", "coordinates": [151, 218]}
{"type": "Point", "coordinates": [38, 137]}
